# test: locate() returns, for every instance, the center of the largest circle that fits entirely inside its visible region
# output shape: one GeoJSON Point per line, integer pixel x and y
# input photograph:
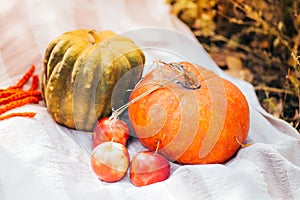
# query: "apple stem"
{"type": "Point", "coordinates": [157, 146]}
{"type": "Point", "coordinates": [121, 109]}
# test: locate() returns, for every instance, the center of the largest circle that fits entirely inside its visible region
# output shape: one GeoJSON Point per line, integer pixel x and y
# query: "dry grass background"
{"type": "Point", "coordinates": [256, 40]}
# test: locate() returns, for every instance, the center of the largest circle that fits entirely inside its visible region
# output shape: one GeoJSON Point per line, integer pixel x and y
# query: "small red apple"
{"type": "Point", "coordinates": [110, 161]}
{"type": "Point", "coordinates": [108, 129]}
{"type": "Point", "coordinates": [149, 167]}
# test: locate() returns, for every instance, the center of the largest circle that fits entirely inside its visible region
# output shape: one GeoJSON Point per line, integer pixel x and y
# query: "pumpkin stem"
{"type": "Point", "coordinates": [93, 37]}
{"type": "Point", "coordinates": [242, 145]}
{"type": "Point", "coordinates": [121, 109]}
{"type": "Point", "coordinates": [117, 112]}
{"type": "Point", "coordinates": [190, 79]}
{"type": "Point", "coordinates": [96, 37]}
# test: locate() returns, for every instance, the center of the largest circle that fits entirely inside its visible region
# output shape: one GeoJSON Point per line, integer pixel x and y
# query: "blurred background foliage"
{"type": "Point", "coordinates": [256, 40]}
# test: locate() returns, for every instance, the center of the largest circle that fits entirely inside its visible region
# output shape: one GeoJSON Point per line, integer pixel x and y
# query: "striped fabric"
{"type": "Point", "coordinates": [42, 160]}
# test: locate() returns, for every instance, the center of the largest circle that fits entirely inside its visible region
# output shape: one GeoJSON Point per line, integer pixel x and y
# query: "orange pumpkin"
{"type": "Point", "coordinates": [196, 118]}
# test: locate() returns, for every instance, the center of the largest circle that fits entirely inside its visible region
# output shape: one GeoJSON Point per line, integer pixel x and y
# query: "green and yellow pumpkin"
{"type": "Point", "coordinates": [80, 72]}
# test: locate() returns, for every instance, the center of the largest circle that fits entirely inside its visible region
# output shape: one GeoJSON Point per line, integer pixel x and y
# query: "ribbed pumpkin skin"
{"type": "Point", "coordinates": [81, 69]}
{"type": "Point", "coordinates": [204, 125]}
